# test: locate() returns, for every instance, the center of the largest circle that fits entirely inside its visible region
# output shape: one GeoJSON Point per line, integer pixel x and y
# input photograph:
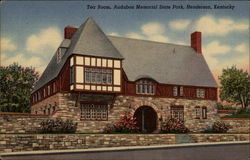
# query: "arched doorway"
{"type": "Point", "coordinates": [146, 119]}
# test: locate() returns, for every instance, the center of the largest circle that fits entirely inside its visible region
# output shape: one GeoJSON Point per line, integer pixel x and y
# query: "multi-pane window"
{"type": "Point", "coordinates": [145, 87]}
{"type": "Point", "coordinates": [98, 75]}
{"type": "Point", "coordinates": [177, 112]}
{"type": "Point", "coordinates": [197, 112]}
{"type": "Point", "coordinates": [94, 111]}
{"type": "Point", "coordinates": [181, 90]}
{"type": "Point", "coordinates": [200, 93]}
{"type": "Point", "coordinates": [204, 112]}
{"type": "Point", "coordinates": [175, 91]}
{"type": "Point", "coordinates": [72, 75]}
{"type": "Point", "coordinates": [178, 91]}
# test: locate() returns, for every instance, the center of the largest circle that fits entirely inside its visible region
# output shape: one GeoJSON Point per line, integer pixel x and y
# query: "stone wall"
{"type": "Point", "coordinates": [219, 137]}
{"type": "Point", "coordinates": [68, 109]}
{"type": "Point", "coordinates": [32, 142]}
{"type": "Point", "coordinates": [238, 125]}
{"type": "Point", "coordinates": [21, 142]}
{"type": "Point", "coordinates": [20, 123]}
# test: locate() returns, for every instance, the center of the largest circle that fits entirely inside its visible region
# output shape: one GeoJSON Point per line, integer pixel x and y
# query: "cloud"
{"type": "Point", "coordinates": [114, 34]}
{"type": "Point", "coordinates": [7, 45]}
{"type": "Point", "coordinates": [210, 25]}
{"type": "Point", "coordinates": [45, 42]}
{"type": "Point", "coordinates": [153, 28]}
{"type": "Point", "coordinates": [179, 24]}
{"type": "Point", "coordinates": [243, 48]}
{"type": "Point", "coordinates": [135, 35]}
{"type": "Point", "coordinates": [216, 48]}
{"type": "Point", "coordinates": [25, 61]}
{"type": "Point", "coordinates": [158, 38]}
{"type": "Point", "coordinates": [152, 31]}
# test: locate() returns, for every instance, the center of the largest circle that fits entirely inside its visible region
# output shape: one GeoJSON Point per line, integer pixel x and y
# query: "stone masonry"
{"type": "Point", "coordinates": [69, 108]}
{"type": "Point", "coordinates": [33, 142]}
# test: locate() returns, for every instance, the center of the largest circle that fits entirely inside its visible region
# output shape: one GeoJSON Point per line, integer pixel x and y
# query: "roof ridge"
{"type": "Point", "coordinates": [148, 41]}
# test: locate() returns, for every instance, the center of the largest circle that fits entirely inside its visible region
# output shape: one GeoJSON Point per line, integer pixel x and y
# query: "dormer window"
{"type": "Point", "coordinates": [59, 55]}
{"type": "Point", "coordinates": [145, 86]}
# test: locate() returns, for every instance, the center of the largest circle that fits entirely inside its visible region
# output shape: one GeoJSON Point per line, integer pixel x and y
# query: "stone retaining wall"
{"type": "Point", "coordinates": [31, 142]}
{"type": "Point", "coordinates": [20, 122]}
{"type": "Point", "coordinates": [219, 137]}
{"type": "Point", "coordinates": [238, 125]}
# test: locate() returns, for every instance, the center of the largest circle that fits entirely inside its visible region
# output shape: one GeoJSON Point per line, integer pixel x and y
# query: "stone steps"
{"type": "Point", "coordinates": [183, 138]}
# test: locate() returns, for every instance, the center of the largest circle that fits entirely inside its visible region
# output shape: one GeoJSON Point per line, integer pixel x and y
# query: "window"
{"type": "Point", "coordinates": [145, 87]}
{"type": "Point", "coordinates": [98, 75]}
{"type": "Point", "coordinates": [175, 91]}
{"type": "Point", "coordinates": [94, 111]}
{"type": "Point", "coordinates": [44, 93]}
{"type": "Point", "coordinates": [178, 91]}
{"type": "Point", "coordinates": [54, 109]}
{"type": "Point", "coordinates": [200, 93]}
{"type": "Point", "coordinates": [48, 90]}
{"type": "Point", "coordinates": [177, 112]}
{"type": "Point", "coordinates": [197, 112]}
{"type": "Point", "coordinates": [54, 87]}
{"type": "Point", "coordinates": [204, 112]}
{"type": "Point", "coordinates": [39, 95]}
{"type": "Point", "coordinates": [72, 75]}
{"type": "Point", "coordinates": [181, 91]}
{"type": "Point", "coordinates": [59, 55]}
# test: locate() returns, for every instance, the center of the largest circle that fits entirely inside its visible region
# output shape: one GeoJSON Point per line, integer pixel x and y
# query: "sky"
{"type": "Point", "coordinates": [32, 31]}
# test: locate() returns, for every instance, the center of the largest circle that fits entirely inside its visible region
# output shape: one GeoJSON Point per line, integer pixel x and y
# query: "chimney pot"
{"type": "Point", "coordinates": [69, 32]}
{"type": "Point", "coordinates": [196, 42]}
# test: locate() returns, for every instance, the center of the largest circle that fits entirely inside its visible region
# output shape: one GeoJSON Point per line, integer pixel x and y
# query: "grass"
{"type": "Point", "coordinates": [240, 113]}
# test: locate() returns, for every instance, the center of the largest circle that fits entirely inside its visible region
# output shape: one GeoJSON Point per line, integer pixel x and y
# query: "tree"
{"type": "Point", "coordinates": [235, 86]}
{"type": "Point", "coordinates": [16, 83]}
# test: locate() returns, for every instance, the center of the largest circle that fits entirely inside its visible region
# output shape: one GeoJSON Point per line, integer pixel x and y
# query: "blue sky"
{"type": "Point", "coordinates": [32, 31]}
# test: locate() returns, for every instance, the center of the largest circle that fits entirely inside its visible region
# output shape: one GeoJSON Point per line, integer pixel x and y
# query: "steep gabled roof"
{"type": "Point", "coordinates": [89, 40]}
{"type": "Point", "coordinates": [164, 62]}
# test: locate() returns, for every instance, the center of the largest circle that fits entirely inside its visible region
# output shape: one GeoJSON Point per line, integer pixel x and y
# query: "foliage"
{"type": "Point", "coordinates": [126, 124]}
{"type": "Point", "coordinates": [224, 107]}
{"type": "Point", "coordinates": [240, 113]}
{"type": "Point", "coordinates": [58, 126]}
{"type": "Point", "coordinates": [16, 83]}
{"type": "Point", "coordinates": [235, 87]}
{"type": "Point", "coordinates": [218, 127]}
{"type": "Point", "coordinates": [174, 126]}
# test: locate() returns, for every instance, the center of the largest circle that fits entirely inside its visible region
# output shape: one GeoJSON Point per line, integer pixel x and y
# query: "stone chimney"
{"type": "Point", "coordinates": [196, 42]}
{"type": "Point", "coordinates": [69, 32]}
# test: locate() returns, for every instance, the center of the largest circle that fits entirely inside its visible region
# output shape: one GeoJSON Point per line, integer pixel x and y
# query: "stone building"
{"type": "Point", "coordinates": [93, 79]}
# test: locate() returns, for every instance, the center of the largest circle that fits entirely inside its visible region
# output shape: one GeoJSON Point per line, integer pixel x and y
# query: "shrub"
{"type": "Point", "coordinates": [224, 107]}
{"type": "Point", "coordinates": [126, 124]}
{"type": "Point", "coordinates": [220, 127]}
{"type": "Point", "coordinates": [174, 126]}
{"type": "Point", "coordinates": [217, 127]}
{"type": "Point", "coordinates": [58, 126]}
